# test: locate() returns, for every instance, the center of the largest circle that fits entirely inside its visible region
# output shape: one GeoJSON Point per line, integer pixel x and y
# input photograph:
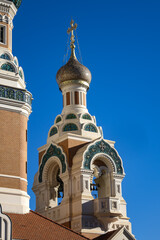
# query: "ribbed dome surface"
{"type": "Point", "coordinates": [17, 3]}
{"type": "Point", "coordinates": [73, 70]}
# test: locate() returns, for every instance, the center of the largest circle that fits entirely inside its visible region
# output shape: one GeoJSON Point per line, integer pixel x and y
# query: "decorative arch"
{"type": "Point", "coordinates": [58, 119]}
{"type": "Point", "coordinates": [8, 67]}
{"type": "Point", "coordinates": [5, 56]}
{"type": "Point", "coordinates": [53, 131]}
{"type": "Point", "coordinates": [71, 116]}
{"type": "Point", "coordinates": [70, 127]}
{"type": "Point", "coordinates": [90, 128]}
{"type": "Point", "coordinates": [16, 61]}
{"type": "Point", "coordinates": [102, 147]}
{"type": "Point", "coordinates": [52, 151]}
{"type": "Point", "coordinates": [86, 116]}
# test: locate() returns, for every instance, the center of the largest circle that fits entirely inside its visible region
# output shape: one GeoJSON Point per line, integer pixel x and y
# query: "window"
{"type": "Point", "coordinates": [90, 128]}
{"type": "Point", "coordinates": [70, 127]}
{"type": "Point", "coordinates": [86, 116]}
{"type": "Point", "coordinates": [20, 74]}
{"type": "Point", "coordinates": [58, 119]}
{"type": "Point", "coordinates": [2, 34]}
{"type": "Point", "coordinates": [53, 131]}
{"type": "Point", "coordinates": [5, 56]}
{"type": "Point", "coordinates": [71, 116]}
{"type": "Point", "coordinates": [8, 67]}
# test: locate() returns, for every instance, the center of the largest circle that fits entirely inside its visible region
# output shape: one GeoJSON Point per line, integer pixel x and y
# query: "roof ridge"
{"type": "Point", "coordinates": [58, 224]}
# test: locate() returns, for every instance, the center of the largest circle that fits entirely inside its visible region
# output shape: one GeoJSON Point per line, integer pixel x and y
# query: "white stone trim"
{"type": "Point", "coordinates": [16, 177]}
{"type": "Point", "coordinates": [15, 106]}
{"type": "Point", "coordinates": [14, 201]}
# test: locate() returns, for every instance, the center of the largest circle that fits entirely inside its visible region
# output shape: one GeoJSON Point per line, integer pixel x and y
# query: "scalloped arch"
{"type": "Point", "coordinates": [70, 127]}
{"type": "Point", "coordinates": [71, 116]}
{"type": "Point", "coordinates": [86, 116]}
{"type": "Point", "coordinates": [102, 147]}
{"type": "Point", "coordinates": [52, 151]}
{"type": "Point", "coordinates": [58, 119]}
{"type": "Point", "coordinates": [5, 56]}
{"type": "Point", "coordinates": [90, 127]}
{"type": "Point", "coordinates": [53, 131]}
{"type": "Point", "coordinates": [8, 67]}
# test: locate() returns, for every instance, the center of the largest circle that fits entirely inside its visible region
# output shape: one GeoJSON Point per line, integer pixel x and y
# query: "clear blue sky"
{"type": "Point", "coordinates": [120, 44]}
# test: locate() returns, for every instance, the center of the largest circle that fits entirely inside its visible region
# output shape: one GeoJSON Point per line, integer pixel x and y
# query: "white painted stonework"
{"type": "Point", "coordinates": [14, 201]}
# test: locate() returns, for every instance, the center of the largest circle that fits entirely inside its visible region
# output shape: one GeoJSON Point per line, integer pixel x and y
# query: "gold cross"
{"type": "Point", "coordinates": [71, 29]}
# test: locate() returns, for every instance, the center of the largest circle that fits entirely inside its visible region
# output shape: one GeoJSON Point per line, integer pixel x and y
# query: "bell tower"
{"type": "Point", "coordinates": [79, 180]}
{"type": "Point", "coordinates": [15, 108]}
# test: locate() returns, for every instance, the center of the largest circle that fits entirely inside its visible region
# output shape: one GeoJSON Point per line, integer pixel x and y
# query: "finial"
{"type": "Point", "coordinates": [73, 27]}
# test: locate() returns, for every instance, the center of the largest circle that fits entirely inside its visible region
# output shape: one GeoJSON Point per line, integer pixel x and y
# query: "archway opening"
{"type": "Point", "coordinates": [56, 188]}
{"type": "Point", "coordinates": [102, 177]}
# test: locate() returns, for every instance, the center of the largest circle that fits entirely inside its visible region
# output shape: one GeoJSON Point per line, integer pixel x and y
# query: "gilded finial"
{"type": "Point", "coordinates": [71, 29]}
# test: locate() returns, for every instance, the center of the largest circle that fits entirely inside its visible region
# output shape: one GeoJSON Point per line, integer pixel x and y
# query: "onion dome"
{"type": "Point", "coordinates": [73, 71]}
{"type": "Point", "coordinates": [17, 3]}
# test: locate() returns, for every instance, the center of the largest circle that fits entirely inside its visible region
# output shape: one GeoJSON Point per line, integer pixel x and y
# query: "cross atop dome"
{"type": "Point", "coordinates": [70, 30]}
{"type": "Point", "coordinates": [73, 72]}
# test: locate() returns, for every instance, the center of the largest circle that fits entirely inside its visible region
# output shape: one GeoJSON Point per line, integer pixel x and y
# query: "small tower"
{"type": "Point", "coordinates": [15, 108]}
{"type": "Point", "coordinates": [78, 182]}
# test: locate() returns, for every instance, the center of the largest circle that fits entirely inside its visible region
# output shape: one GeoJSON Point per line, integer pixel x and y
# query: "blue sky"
{"type": "Point", "coordinates": [120, 44]}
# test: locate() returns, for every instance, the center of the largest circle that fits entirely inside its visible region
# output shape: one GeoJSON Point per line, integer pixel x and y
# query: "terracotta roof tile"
{"type": "Point", "coordinates": [33, 226]}
{"type": "Point", "coordinates": [106, 235]}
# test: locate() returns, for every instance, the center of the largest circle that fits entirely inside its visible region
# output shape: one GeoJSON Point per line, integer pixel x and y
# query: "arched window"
{"type": "Point", "coordinates": [5, 56]}
{"type": "Point", "coordinates": [70, 127]}
{"type": "Point", "coordinates": [90, 128]}
{"type": "Point", "coordinates": [53, 131]}
{"type": "Point", "coordinates": [58, 119]}
{"type": "Point", "coordinates": [71, 116]}
{"type": "Point", "coordinates": [20, 74]}
{"type": "Point", "coordinates": [86, 116]}
{"type": "Point", "coordinates": [94, 188]}
{"type": "Point", "coordinates": [15, 61]}
{"type": "Point", "coordinates": [8, 67]}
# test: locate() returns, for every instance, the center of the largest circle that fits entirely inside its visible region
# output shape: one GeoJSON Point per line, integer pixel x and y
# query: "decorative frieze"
{"type": "Point", "coordinates": [16, 94]}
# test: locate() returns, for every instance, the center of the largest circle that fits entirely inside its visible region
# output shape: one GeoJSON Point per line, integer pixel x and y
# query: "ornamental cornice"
{"type": "Point", "coordinates": [7, 6]}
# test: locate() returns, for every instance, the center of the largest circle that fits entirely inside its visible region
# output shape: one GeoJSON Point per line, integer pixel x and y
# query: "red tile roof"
{"type": "Point", "coordinates": [106, 235]}
{"type": "Point", "coordinates": [33, 226]}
